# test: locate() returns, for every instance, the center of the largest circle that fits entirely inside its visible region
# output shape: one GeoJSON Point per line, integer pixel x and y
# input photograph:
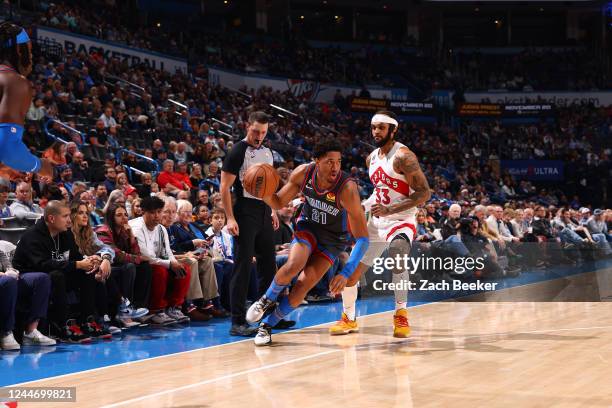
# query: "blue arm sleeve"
{"type": "Point", "coordinates": [357, 253]}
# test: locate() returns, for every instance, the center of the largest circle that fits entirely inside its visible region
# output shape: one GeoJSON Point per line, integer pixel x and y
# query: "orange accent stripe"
{"type": "Point", "coordinates": [319, 252]}
{"type": "Point", "coordinates": [306, 235]}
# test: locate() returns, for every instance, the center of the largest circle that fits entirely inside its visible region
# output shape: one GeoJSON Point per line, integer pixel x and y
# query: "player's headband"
{"type": "Point", "coordinates": [380, 118]}
{"type": "Point", "coordinates": [22, 38]}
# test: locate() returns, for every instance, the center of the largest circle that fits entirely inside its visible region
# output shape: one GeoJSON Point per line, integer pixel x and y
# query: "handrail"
{"type": "Point", "coordinates": [145, 158]}
{"type": "Point", "coordinates": [57, 138]}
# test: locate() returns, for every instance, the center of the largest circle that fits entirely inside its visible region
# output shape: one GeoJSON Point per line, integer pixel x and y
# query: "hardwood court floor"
{"type": "Point", "coordinates": [461, 354]}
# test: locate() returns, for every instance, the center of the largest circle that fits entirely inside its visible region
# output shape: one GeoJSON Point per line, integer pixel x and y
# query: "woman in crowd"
{"type": "Point", "coordinates": [202, 220]}
{"type": "Point", "coordinates": [144, 190]}
{"type": "Point", "coordinates": [424, 228]}
{"type": "Point", "coordinates": [196, 175]}
{"type": "Point", "coordinates": [131, 269]}
{"type": "Point", "coordinates": [90, 245]}
{"type": "Point", "coordinates": [136, 210]}
{"type": "Point", "coordinates": [216, 200]}
{"type": "Point", "coordinates": [123, 184]}
{"type": "Point", "coordinates": [193, 251]}
{"type": "Point", "coordinates": [115, 197]}
{"type": "Point", "coordinates": [518, 226]}
{"type": "Point", "coordinates": [88, 198]}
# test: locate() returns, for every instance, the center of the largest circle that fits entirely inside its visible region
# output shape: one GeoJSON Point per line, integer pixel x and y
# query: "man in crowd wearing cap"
{"type": "Point", "coordinates": [597, 225]}
{"type": "Point", "coordinates": [598, 229]}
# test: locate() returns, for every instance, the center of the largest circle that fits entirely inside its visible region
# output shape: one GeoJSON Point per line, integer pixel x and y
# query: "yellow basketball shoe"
{"type": "Point", "coordinates": [401, 328]}
{"type": "Point", "coordinates": [344, 326]}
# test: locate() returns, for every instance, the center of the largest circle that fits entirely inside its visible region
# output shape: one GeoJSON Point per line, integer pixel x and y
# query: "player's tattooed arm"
{"type": "Point", "coordinates": [281, 198]}
{"type": "Point", "coordinates": [406, 163]}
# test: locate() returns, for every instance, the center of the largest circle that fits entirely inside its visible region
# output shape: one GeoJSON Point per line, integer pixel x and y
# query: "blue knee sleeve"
{"type": "Point", "coordinates": [13, 152]}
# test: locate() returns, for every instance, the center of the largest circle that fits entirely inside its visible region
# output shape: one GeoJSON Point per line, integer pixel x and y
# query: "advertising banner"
{"type": "Point", "coordinates": [535, 170]}
{"type": "Point", "coordinates": [134, 56]}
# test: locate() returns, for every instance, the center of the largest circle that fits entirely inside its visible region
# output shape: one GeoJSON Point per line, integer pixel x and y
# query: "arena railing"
{"type": "Point", "coordinates": [65, 126]}
{"type": "Point", "coordinates": [130, 169]}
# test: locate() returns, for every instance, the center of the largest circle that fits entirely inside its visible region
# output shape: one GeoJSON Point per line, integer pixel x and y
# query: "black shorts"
{"type": "Point", "coordinates": [306, 233]}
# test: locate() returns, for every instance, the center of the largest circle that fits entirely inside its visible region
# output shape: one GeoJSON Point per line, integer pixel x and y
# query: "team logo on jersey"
{"type": "Point", "coordinates": [400, 186]}
{"type": "Point", "coordinates": [330, 197]}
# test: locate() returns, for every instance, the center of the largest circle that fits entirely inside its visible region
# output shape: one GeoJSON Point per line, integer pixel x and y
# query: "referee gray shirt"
{"type": "Point", "coordinates": [240, 158]}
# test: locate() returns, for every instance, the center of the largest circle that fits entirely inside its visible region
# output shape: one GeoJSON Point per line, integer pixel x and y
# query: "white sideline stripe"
{"type": "Point", "coordinates": [91, 370]}
{"type": "Point", "coordinates": [225, 377]}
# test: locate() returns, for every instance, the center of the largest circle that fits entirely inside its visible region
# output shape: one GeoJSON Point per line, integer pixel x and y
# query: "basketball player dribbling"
{"type": "Point", "coordinates": [399, 187]}
{"type": "Point", "coordinates": [15, 99]}
{"type": "Point", "coordinates": [331, 204]}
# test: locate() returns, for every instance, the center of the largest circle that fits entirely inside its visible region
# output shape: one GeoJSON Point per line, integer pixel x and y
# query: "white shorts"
{"type": "Point", "coordinates": [381, 232]}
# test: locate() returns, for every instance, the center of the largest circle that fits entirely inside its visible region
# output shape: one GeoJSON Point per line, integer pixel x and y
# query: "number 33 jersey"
{"type": "Point", "coordinates": [389, 186]}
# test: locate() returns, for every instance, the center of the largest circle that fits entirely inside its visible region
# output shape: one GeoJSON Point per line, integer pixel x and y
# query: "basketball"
{"type": "Point", "coordinates": [261, 180]}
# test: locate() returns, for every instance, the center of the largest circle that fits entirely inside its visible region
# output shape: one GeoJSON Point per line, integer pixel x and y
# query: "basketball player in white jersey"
{"type": "Point", "coordinates": [399, 187]}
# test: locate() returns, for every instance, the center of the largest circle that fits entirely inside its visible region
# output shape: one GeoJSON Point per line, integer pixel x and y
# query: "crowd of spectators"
{"type": "Point", "coordinates": [511, 239]}
{"type": "Point", "coordinates": [574, 68]}
{"type": "Point", "coordinates": [135, 216]}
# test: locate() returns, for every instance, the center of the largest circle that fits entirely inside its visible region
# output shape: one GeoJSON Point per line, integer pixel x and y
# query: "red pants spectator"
{"type": "Point", "coordinates": [166, 289]}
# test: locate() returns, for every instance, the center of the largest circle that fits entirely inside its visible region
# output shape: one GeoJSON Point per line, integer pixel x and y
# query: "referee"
{"type": "Point", "coordinates": [250, 221]}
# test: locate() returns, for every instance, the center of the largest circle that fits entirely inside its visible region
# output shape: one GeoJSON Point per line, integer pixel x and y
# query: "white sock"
{"type": "Point", "coordinates": [349, 297]}
{"type": "Point", "coordinates": [401, 295]}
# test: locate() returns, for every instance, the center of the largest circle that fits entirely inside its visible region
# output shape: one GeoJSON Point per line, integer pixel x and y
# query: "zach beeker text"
{"type": "Point", "coordinates": [427, 285]}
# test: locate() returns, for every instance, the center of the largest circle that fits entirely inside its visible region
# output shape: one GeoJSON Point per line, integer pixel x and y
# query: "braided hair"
{"type": "Point", "coordinates": [18, 55]}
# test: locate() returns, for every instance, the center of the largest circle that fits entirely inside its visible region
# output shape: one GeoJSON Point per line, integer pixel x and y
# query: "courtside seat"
{"type": "Point", "coordinates": [12, 235]}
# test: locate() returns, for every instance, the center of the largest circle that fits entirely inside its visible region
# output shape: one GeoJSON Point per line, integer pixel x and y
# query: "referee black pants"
{"type": "Point", "coordinates": [255, 238]}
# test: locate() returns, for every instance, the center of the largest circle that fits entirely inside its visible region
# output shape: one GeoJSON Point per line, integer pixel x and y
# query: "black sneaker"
{"type": "Point", "coordinates": [95, 330]}
{"type": "Point", "coordinates": [243, 330]}
{"type": "Point", "coordinates": [264, 335]}
{"type": "Point", "coordinates": [259, 309]}
{"type": "Point", "coordinates": [72, 333]}
{"type": "Point", "coordinates": [284, 324]}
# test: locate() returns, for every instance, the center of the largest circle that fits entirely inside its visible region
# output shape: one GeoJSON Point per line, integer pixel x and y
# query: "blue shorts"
{"type": "Point", "coordinates": [307, 235]}
{"type": "Point", "coordinates": [13, 152]}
